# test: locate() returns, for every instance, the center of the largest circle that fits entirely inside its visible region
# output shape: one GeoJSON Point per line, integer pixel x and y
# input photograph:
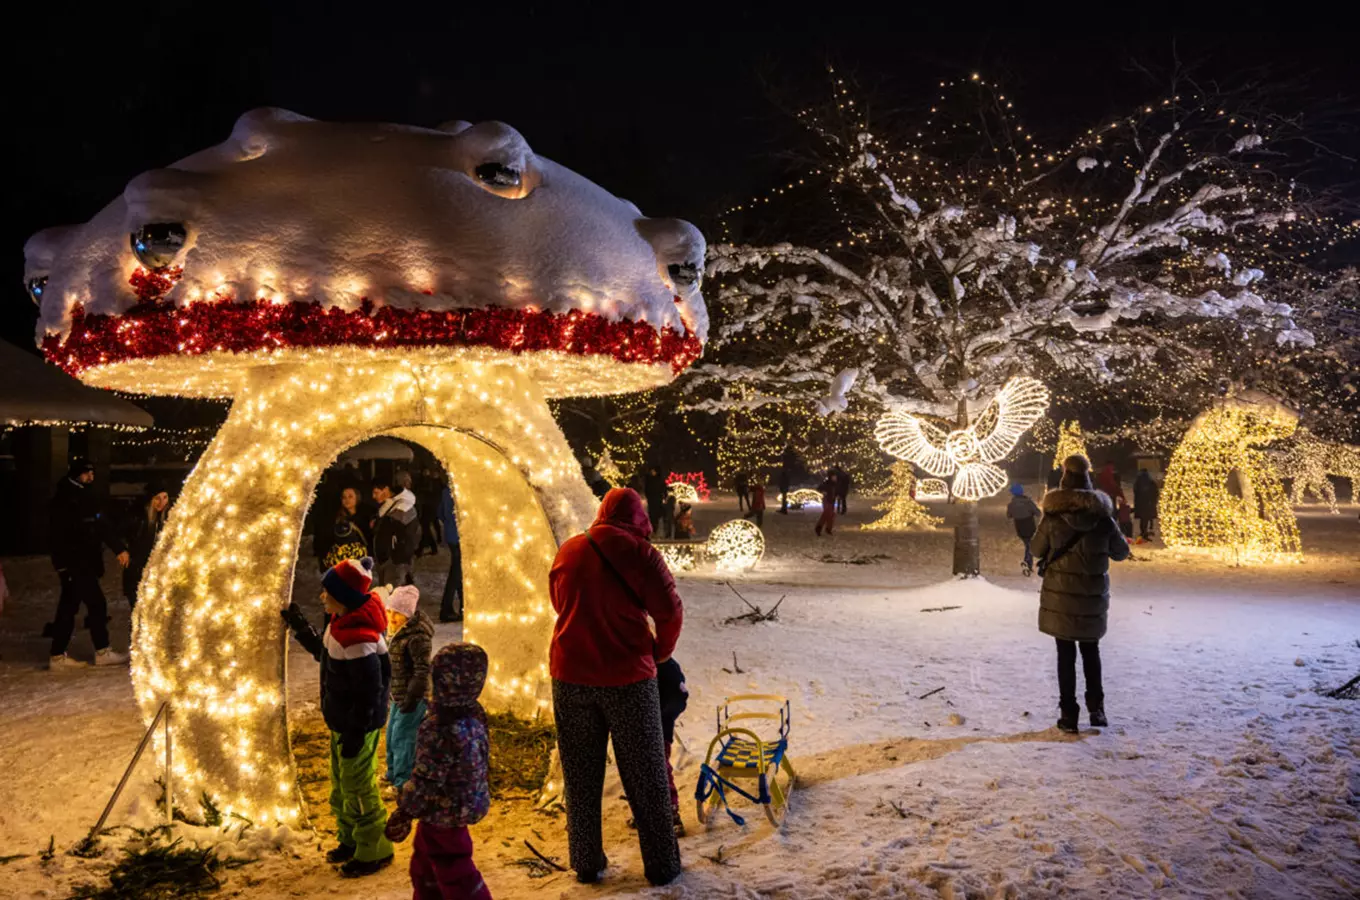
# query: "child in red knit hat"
{"type": "Point", "coordinates": [355, 678]}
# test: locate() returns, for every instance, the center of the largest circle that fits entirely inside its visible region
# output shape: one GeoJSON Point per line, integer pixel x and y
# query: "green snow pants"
{"type": "Point", "coordinates": [360, 815]}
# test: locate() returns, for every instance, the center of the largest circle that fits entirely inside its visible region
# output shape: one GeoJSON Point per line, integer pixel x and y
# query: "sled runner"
{"type": "Point", "coordinates": [742, 755]}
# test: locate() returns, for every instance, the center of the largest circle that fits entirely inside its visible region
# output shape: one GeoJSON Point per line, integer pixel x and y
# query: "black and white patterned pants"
{"type": "Point", "coordinates": [586, 719]}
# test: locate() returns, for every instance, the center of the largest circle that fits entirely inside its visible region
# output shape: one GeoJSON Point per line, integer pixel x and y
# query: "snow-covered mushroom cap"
{"type": "Point", "coordinates": [297, 239]}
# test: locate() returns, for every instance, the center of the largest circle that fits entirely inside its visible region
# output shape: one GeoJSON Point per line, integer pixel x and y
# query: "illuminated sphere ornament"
{"type": "Point", "coordinates": [464, 283]}
{"type": "Point", "coordinates": [683, 493]}
{"type": "Point", "coordinates": [805, 497]}
{"type": "Point", "coordinates": [932, 489]}
{"type": "Point", "coordinates": [736, 546]}
{"type": "Point", "coordinates": [1222, 495]}
{"type": "Point", "coordinates": [968, 453]}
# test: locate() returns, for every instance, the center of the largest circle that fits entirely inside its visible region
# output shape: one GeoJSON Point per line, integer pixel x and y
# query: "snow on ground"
{"type": "Point", "coordinates": [1225, 773]}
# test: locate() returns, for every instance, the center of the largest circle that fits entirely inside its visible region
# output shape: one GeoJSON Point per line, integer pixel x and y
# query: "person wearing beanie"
{"type": "Point", "coordinates": [355, 676]}
{"type": "Point", "coordinates": [80, 532]}
{"type": "Point", "coordinates": [142, 530]}
{"type": "Point", "coordinates": [412, 632]}
{"type": "Point", "coordinates": [449, 787]}
{"type": "Point", "coordinates": [1022, 511]}
{"type": "Point", "coordinates": [1074, 544]}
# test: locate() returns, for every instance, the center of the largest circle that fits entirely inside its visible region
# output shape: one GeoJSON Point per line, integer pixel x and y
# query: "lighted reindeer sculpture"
{"type": "Point", "coordinates": [1311, 462]}
{"type": "Point", "coordinates": [1222, 494]}
{"type": "Point", "coordinates": [340, 282]}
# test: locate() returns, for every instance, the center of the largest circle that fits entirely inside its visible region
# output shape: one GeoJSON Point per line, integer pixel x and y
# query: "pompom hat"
{"type": "Point", "coordinates": [348, 581]}
{"type": "Point", "coordinates": [403, 600]}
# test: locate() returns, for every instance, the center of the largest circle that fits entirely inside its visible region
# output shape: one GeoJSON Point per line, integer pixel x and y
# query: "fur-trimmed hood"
{"type": "Point", "coordinates": [1083, 510]}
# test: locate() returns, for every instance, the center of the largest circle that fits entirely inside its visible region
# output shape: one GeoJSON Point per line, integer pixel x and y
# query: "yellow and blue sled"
{"type": "Point", "coordinates": [742, 755]}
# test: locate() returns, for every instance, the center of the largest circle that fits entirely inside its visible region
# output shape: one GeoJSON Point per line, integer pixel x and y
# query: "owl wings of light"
{"type": "Point", "coordinates": [968, 453]}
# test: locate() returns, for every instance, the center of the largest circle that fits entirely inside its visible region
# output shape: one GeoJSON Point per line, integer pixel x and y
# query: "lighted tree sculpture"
{"type": "Point", "coordinates": [1071, 442]}
{"type": "Point", "coordinates": [444, 302]}
{"type": "Point", "coordinates": [1310, 462]}
{"type": "Point", "coordinates": [901, 512]}
{"type": "Point", "coordinates": [609, 470]}
{"type": "Point", "coordinates": [1222, 495]}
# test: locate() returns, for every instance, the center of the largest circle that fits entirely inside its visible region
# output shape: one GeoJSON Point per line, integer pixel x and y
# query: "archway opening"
{"type": "Point", "coordinates": [507, 546]}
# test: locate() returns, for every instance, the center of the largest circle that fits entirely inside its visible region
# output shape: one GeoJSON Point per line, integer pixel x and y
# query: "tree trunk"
{"type": "Point", "coordinates": [967, 555]}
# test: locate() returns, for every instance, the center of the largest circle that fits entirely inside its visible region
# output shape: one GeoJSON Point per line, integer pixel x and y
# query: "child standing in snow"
{"type": "Point", "coordinates": [1022, 511]}
{"type": "Point", "coordinates": [448, 790]}
{"type": "Point", "coordinates": [355, 676]}
{"type": "Point", "coordinates": [670, 683]}
{"type": "Point", "coordinates": [684, 523]}
{"type": "Point", "coordinates": [756, 505]}
{"type": "Point", "coordinates": [1124, 515]}
{"type": "Point", "coordinates": [411, 632]}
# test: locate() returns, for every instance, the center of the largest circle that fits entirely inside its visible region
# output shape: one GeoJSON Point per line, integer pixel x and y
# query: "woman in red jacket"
{"type": "Point", "coordinates": [605, 584]}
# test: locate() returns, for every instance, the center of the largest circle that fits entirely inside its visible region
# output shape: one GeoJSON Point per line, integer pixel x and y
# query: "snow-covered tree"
{"type": "Point", "coordinates": [1157, 255]}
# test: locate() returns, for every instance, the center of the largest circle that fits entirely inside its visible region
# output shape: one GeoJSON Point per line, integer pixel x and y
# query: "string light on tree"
{"type": "Point", "coordinates": [1071, 442]}
{"type": "Point", "coordinates": [609, 471]}
{"type": "Point", "coordinates": [1222, 495]}
{"type": "Point", "coordinates": [320, 351]}
{"type": "Point", "coordinates": [968, 453]}
{"type": "Point", "coordinates": [901, 512]}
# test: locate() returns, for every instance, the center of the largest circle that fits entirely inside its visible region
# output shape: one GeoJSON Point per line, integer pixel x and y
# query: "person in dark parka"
{"type": "Point", "coordinates": [80, 531]}
{"type": "Point", "coordinates": [1074, 544]}
{"type": "Point", "coordinates": [1146, 494]}
{"type": "Point", "coordinates": [143, 528]}
{"type": "Point", "coordinates": [654, 486]}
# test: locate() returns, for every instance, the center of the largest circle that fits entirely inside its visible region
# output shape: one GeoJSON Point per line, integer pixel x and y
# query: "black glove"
{"type": "Point", "coordinates": [294, 617]}
{"type": "Point", "coordinates": [351, 743]}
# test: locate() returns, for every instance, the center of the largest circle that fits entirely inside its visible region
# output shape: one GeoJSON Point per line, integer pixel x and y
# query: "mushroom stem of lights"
{"type": "Point", "coordinates": [444, 304]}
{"type": "Point", "coordinates": [1222, 497]}
{"type": "Point", "coordinates": [968, 452]}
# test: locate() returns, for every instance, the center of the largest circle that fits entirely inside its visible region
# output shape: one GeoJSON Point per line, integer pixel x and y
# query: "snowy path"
{"type": "Point", "coordinates": [1224, 773]}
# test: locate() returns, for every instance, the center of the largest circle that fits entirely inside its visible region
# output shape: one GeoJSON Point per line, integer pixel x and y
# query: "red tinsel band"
{"type": "Point", "coordinates": [227, 326]}
{"type": "Point", "coordinates": [694, 479]}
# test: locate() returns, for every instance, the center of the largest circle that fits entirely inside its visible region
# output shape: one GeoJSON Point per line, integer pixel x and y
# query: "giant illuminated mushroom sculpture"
{"type": "Point", "coordinates": [340, 282]}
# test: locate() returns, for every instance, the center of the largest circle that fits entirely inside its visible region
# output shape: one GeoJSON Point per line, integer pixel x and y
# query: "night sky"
{"type": "Point", "coordinates": [684, 117]}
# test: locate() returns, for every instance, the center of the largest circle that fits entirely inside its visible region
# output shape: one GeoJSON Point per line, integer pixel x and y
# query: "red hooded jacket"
{"type": "Point", "coordinates": [601, 638]}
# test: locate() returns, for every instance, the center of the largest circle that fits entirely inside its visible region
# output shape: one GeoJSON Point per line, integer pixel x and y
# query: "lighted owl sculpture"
{"type": "Point", "coordinates": [969, 454]}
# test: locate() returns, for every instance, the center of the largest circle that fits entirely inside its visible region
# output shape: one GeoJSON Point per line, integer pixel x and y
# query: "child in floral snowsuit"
{"type": "Point", "coordinates": [448, 790]}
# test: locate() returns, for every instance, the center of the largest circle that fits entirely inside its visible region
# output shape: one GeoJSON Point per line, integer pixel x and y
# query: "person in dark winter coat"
{"type": "Point", "coordinates": [428, 490]}
{"type": "Point", "coordinates": [346, 537]}
{"type": "Point", "coordinates": [1022, 511]}
{"type": "Point", "coordinates": [787, 461]}
{"type": "Point", "coordinates": [670, 683]}
{"type": "Point", "coordinates": [757, 504]}
{"type": "Point", "coordinates": [409, 650]}
{"type": "Point", "coordinates": [80, 531]}
{"type": "Point", "coordinates": [669, 516]}
{"type": "Point", "coordinates": [1123, 514]}
{"type": "Point", "coordinates": [449, 787]}
{"type": "Point", "coordinates": [682, 526]}
{"type": "Point", "coordinates": [842, 489]}
{"type": "Point", "coordinates": [142, 530]}
{"type": "Point", "coordinates": [1146, 494]}
{"type": "Point", "coordinates": [1054, 479]}
{"type": "Point", "coordinates": [396, 533]}
{"type": "Point", "coordinates": [1074, 544]}
{"type": "Point", "coordinates": [743, 487]}
{"type": "Point", "coordinates": [654, 486]}
{"type": "Point", "coordinates": [356, 676]}
{"type": "Point", "coordinates": [605, 585]}
{"type": "Point", "coordinates": [451, 604]}
{"type": "Point", "coordinates": [827, 520]}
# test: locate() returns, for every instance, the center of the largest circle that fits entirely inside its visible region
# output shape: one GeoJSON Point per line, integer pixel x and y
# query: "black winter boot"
{"type": "Point", "coordinates": [360, 868]}
{"type": "Point", "coordinates": [1067, 719]}
{"type": "Point", "coordinates": [340, 853]}
{"type": "Point", "coordinates": [1096, 707]}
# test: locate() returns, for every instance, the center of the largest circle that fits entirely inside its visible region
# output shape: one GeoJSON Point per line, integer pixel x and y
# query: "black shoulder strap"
{"type": "Point", "coordinates": [632, 594]}
{"type": "Point", "coordinates": [1062, 551]}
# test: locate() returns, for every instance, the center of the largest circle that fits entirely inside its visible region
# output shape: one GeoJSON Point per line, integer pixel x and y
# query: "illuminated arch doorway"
{"type": "Point", "coordinates": [207, 633]}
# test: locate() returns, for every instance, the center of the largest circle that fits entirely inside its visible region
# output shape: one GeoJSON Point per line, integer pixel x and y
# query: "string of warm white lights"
{"type": "Point", "coordinates": [206, 630]}
{"type": "Point", "coordinates": [1222, 495]}
{"type": "Point", "coordinates": [1071, 442]}
{"type": "Point", "coordinates": [1308, 461]}
{"type": "Point", "coordinates": [901, 512]}
{"type": "Point", "coordinates": [969, 452]}
{"type": "Point", "coordinates": [932, 489]}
